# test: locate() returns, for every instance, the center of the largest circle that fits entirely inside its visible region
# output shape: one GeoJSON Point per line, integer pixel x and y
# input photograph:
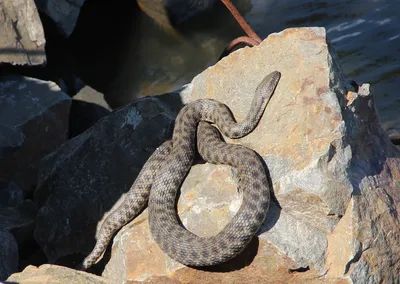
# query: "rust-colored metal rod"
{"type": "Point", "coordinates": [243, 39]}
{"type": "Point", "coordinates": [242, 22]}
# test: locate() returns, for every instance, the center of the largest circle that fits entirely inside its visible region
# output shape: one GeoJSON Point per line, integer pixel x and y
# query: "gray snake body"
{"type": "Point", "coordinates": [164, 172]}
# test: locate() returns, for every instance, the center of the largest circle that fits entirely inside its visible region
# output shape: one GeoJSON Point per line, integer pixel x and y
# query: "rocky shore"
{"type": "Point", "coordinates": [67, 159]}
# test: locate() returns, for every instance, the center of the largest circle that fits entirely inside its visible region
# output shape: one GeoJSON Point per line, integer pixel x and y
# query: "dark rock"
{"type": "Point", "coordinates": [63, 12]}
{"type": "Point", "coordinates": [88, 106]}
{"type": "Point", "coordinates": [83, 115]}
{"type": "Point", "coordinates": [86, 176]}
{"type": "Point", "coordinates": [22, 36]}
{"type": "Point", "coordinates": [34, 118]}
{"type": "Point", "coordinates": [10, 141]}
{"type": "Point", "coordinates": [20, 221]}
{"type": "Point", "coordinates": [70, 84]}
{"type": "Point", "coordinates": [8, 254]}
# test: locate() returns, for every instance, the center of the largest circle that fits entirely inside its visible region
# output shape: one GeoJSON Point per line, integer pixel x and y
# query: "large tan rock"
{"type": "Point", "coordinates": [334, 172]}
{"type": "Point", "coordinates": [209, 199]}
{"type": "Point", "coordinates": [21, 35]}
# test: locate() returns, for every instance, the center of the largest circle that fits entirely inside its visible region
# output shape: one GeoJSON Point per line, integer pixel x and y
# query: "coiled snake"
{"type": "Point", "coordinates": [166, 169]}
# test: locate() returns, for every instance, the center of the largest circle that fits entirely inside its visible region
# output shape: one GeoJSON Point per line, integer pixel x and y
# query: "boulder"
{"type": "Point", "coordinates": [22, 37]}
{"type": "Point", "coordinates": [8, 254]}
{"type": "Point", "coordinates": [333, 168]}
{"type": "Point", "coordinates": [33, 123]}
{"type": "Point", "coordinates": [64, 13]}
{"type": "Point", "coordinates": [54, 274]}
{"type": "Point", "coordinates": [85, 177]}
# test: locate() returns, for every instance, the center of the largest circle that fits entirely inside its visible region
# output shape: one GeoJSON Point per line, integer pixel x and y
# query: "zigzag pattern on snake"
{"type": "Point", "coordinates": [164, 172]}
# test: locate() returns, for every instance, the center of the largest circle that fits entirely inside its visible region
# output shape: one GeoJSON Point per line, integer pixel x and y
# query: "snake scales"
{"type": "Point", "coordinates": [166, 169]}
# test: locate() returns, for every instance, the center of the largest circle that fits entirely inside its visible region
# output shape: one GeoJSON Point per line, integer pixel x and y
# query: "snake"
{"type": "Point", "coordinates": [163, 173]}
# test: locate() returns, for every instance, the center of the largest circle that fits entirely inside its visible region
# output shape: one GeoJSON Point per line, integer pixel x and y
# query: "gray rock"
{"type": "Point", "coordinates": [34, 121]}
{"type": "Point", "coordinates": [295, 237]}
{"type": "Point", "coordinates": [374, 173]}
{"type": "Point", "coordinates": [63, 12]}
{"type": "Point", "coordinates": [22, 36]}
{"type": "Point", "coordinates": [83, 179]}
{"type": "Point", "coordinates": [8, 254]}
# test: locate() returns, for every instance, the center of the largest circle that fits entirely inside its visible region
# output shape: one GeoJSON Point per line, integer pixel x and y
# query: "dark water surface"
{"type": "Point", "coordinates": [148, 61]}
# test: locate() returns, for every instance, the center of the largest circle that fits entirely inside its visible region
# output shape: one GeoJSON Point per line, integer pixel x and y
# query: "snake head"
{"type": "Point", "coordinates": [268, 84]}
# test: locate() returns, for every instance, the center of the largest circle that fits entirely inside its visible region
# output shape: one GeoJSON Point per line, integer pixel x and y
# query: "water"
{"type": "Point", "coordinates": [365, 34]}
